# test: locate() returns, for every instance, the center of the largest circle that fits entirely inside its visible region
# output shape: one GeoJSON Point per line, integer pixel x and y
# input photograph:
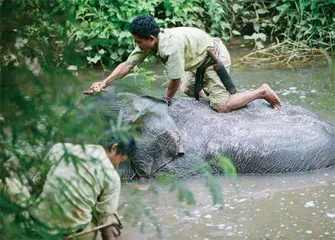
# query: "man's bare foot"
{"type": "Point", "coordinates": [270, 96]}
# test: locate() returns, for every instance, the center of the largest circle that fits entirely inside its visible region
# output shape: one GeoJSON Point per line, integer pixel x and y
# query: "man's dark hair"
{"type": "Point", "coordinates": [126, 144]}
{"type": "Point", "coordinates": [143, 26]}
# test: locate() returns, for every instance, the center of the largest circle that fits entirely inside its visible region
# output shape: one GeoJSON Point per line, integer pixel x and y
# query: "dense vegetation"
{"type": "Point", "coordinates": [101, 26]}
{"type": "Point", "coordinates": [34, 91]}
{"type": "Point", "coordinates": [97, 29]}
{"type": "Point", "coordinates": [41, 39]}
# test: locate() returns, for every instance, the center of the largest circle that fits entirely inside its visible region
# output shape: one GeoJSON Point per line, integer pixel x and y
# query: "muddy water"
{"type": "Point", "coordinates": [284, 206]}
{"type": "Point", "coordinates": [307, 87]}
{"type": "Point", "coordinates": [291, 206]}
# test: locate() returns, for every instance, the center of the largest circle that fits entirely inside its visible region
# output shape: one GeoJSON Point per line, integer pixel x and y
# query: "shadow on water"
{"type": "Point", "coordinates": [287, 206]}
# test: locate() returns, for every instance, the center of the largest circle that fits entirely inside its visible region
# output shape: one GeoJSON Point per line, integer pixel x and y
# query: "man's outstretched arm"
{"type": "Point", "coordinates": [119, 72]}
{"type": "Point", "coordinates": [172, 89]}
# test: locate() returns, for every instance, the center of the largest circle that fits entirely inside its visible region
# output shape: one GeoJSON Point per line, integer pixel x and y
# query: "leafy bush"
{"type": "Point", "coordinates": [34, 91]}
{"type": "Point", "coordinates": [101, 26]}
{"type": "Point", "coordinates": [304, 21]}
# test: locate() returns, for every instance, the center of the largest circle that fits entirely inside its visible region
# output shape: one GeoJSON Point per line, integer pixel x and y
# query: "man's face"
{"type": "Point", "coordinates": [145, 44]}
{"type": "Point", "coordinates": [114, 157]}
{"type": "Point", "coordinates": [117, 158]}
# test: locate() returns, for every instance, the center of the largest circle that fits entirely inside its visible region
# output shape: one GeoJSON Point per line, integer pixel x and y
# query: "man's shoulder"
{"type": "Point", "coordinates": [184, 30]}
{"type": "Point", "coordinates": [70, 147]}
{"type": "Point", "coordinates": [82, 151]}
{"type": "Point", "coordinates": [79, 157]}
{"type": "Point", "coordinates": [170, 37]}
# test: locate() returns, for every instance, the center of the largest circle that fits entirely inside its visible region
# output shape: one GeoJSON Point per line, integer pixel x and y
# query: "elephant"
{"type": "Point", "coordinates": [257, 139]}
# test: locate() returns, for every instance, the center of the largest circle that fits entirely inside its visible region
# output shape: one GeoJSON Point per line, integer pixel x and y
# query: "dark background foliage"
{"type": "Point", "coordinates": [101, 26]}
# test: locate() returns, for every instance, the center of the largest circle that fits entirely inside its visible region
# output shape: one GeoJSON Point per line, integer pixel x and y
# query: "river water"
{"type": "Point", "coordinates": [290, 206]}
{"type": "Point", "coordinates": [282, 206]}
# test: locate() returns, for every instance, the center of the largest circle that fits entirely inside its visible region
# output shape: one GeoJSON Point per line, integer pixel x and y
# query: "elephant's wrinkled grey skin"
{"type": "Point", "coordinates": [258, 139]}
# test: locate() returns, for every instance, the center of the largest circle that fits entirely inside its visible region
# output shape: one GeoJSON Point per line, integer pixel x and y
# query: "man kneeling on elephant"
{"type": "Point", "coordinates": [192, 58]}
{"type": "Point", "coordinates": [81, 188]}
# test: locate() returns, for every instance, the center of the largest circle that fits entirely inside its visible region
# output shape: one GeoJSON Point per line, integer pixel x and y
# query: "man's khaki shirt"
{"type": "Point", "coordinates": [81, 178]}
{"type": "Point", "coordinates": [180, 49]}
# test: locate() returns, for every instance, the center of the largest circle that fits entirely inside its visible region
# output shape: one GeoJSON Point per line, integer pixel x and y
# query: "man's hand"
{"type": "Point", "coordinates": [110, 233]}
{"type": "Point", "coordinates": [96, 88]}
{"type": "Point", "coordinates": [167, 100]}
{"type": "Point", "coordinates": [171, 91]}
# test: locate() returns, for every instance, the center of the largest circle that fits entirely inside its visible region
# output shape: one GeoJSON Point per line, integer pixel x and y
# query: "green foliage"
{"type": "Point", "coordinates": [305, 21]}
{"type": "Point", "coordinates": [203, 169]}
{"type": "Point", "coordinates": [101, 27]}
{"type": "Point", "coordinates": [308, 21]}
{"type": "Point", "coordinates": [207, 15]}
{"type": "Point", "coordinates": [36, 88]}
{"type": "Point", "coordinates": [216, 190]}
{"type": "Point", "coordinates": [184, 193]}
{"type": "Point", "coordinates": [229, 170]}
{"type": "Point", "coordinates": [227, 166]}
